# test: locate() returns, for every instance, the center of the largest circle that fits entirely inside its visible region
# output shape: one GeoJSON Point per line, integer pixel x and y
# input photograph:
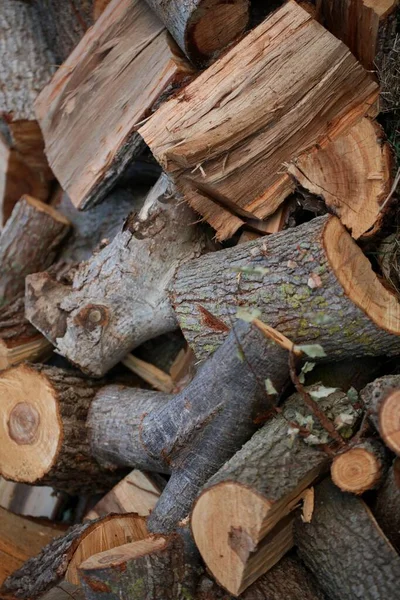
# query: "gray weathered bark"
{"type": "Point", "coordinates": [203, 28]}
{"type": "Point", "coordinates": [387, 505]}
{"type": "Point", "coordinates": [346, 550]}
{"type": "Point", "coordinates": [118, 299]}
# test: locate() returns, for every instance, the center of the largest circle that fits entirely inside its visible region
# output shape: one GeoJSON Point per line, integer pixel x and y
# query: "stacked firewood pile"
{"type": "Point", "coordinates": [200, 310]}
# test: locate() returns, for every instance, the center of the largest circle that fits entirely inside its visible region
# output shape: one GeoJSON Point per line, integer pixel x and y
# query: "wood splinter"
{"type": "Point", "coordinates": [360, 468]}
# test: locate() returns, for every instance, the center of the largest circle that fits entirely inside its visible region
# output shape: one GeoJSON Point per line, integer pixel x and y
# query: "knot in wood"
{"type": "Point", "coordinates": [93, 316]}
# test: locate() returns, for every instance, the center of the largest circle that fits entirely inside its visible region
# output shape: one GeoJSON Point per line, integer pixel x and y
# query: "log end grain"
{"type": "Point", "coordinates": [359, 469]}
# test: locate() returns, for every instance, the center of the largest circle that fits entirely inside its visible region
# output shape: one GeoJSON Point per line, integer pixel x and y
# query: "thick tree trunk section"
{"type": "Point", "coordinates": [62, 557]}
{"type": "Point", "coordinates": [103, 66]}
{"type": "Point", "coordinates": [353, 189]}
{"type": "Point", "coordinates": [43, 434]}
{"type": "Point", "coordinates": [227, 137]}
{"type": "Point", "coordinates": [287, 579]}
{"type": "Point", "coordinates": [128, 279]}
{"type": "Point", "coordinates": [270, 473]}
{"type": "Point", "coordinates": [359, 562]}
{"type": "Point", "coordinates": [137, 493]}
{"type": "Point", "coordinates": [361, 468]}
{"type": "Point", "coordinates": [154, 568]}
{"type": "Point", "coordinates": [20, 539]}
{"type": "Point", "coordinates": [297, 279]}
{"type": "Point", "coordinates": [203, 28]}
{"type": "Point", "coordinates": [387, 505]}
{"type": "Point", "coordinates": [382, 399]}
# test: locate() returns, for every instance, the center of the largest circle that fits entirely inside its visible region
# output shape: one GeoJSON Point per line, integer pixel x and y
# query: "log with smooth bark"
{"type": "Point", "coordinates": [361, 468]}
{"type": "Point", "coordinates": [62, 557]}
{"type": "Point", "coordinates": [153, 568]}
{"type": "Point", "coordinates": [20, 539]}
{"type": "Point", "coordinates": [228, 137]}
{"type": "Point", "coordinates": [271, 474]}
{"type": "Point", "coordinates": [118, 299]}
{"type": "Point", "coordinates": [90, 137]}
{"type": "Point", "coordinates": [203, 28]}
{"type": "Point", "coordinates": [43, 433]}
{"type": "Point", "coordinates": [382, 399]}
{"type": "Point", "coordinates": [296, 279]}
{"type": "Point", "coordinates": [346, 550]}
{"type": "Point", "coordinates": [386, 508]}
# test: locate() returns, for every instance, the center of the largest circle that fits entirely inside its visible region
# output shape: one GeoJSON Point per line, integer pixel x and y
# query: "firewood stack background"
{"type": "Point", "coordinates": [200, 300]}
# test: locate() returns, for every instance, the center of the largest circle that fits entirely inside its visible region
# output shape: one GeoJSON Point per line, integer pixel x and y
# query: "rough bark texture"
{"type": "Point", "coordinates": [387, 505]}
{"type": "Point", "coordinates": [118, 299]}
{"type": "Point", "coordinates": [70, 465]}
{"type": "Point", "coordinates": [28, 243]}
{"type": "Point", "coordinates": [203, 28]}
{"type": "Point", "coordinates": [288, 579]}
{"type": "Point", "coordinates": [90, 137]}
{"type": "Point", "coordinates": [361, 468]}
{"type": "Point", "coordinates": [297, 279]}
{"type": "Point", "coordinates": [346, 550]}
{"type": "Point", "coordinates": [380, 398]}
{"type": "Point", "coordinates": [114, 424]}
{"type": "Point", "coordinates": [149, 570]}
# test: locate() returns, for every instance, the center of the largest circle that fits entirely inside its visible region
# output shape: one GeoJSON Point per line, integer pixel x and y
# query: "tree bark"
{"type": "Point", "coordinates": [203, 28]}
{"type": "Point", "coordinates": [228, 138]}
{"type": "Point", "coordinates": [154, 568]}
{"type": "Point", "coordinates": [271, 474]}
{"type": "Point", "coordinates": [296, 279]}
{"type": "Point", "coordinates": [382, 399]}
{"type": "Point", "coordinates": [361, 468]}
{"type": "Point", "coordinates": [387, 505]}
{"type": "Point", "coordinates": [287, 579]}
{"type": "Point", "coordinates": [129, 309]}
{"type": "Point", "coordinates": [346, 550]}
{"type": "Point", "coordinates": [103, 66]}
{"type": "Point", "coordinates": [44, 436]}
{"type": "Point", "coordinates": [62, 557]}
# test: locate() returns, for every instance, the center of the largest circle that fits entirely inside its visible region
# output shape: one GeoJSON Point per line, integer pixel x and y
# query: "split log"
{"type": "Point", "coordinates": [387, 505]}
{"type": "Point", "coordinates": [363, 26]}
{"type": "Point", "coordinates": [382, 399]}
{"type": "Point", "coordinates": [26, 67]}
{"type": "Point", "coordinates": [287, 579]}
{"type": "Point", "coordinates": [203, 28]}
{"type": "Point", "coordinates": [43, 433]}
{"type": "Point", "coordinates": [359, 562]}
{"type": "Point", "coordinates": [271, 474]}
{"type": "Point", "coordinates": [156, 567]}
{"type": "Point", "coordinates": [128, 310]}
{"type": "Point", "coordinates": [106, 65]}
{"type": "Point", "coordinates": [20, 539]}
{"type": "Point", "coordinates": [226, 137]}
{"type": "Point", "coordinates": [361, 468]}
{"type": "Point", "coordinates": [62, 557]}
{"type": "Point", "coordinates": [353, 174]}
{"type": "Point", "coordinates": [137, 493]}
{"type": "Point", "coordinates": [30, 501]}
{"type": "Point", "coordinates": [291, 278]}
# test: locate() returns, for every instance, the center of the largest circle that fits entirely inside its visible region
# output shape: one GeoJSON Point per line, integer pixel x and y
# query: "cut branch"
{"type": "Point", "coordinates": [360, 468]}
{"type": "Point", "coordinates": [382, 399]}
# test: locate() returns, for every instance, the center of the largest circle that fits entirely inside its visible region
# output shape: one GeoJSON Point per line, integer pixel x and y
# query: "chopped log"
{"type": "Point", "coordinates": [387, 505]}
{"type": "Point", "coordinates": [364, 26]}
{"type": "Point", "coordinates": [382, 399]}
{"type": "Point", "coordinates": [62, 557]}
{"type": "Point", "coordinates": [128, 310]}
{"type": "Point", "coordinates": [137, 493]}
{"type": "Point", "coordinates": [227, 137]}
{"type": "Point", "coordinates": [291, 278]}
{"type": "Point", "coordinates": [43, 433]}
{"type": "Point", "coordinates": [287, 579]}
{"type": "Point", "coordinates": [353, 174]}
{"type": "Point", "coordinates": [360, 468]}
{"type": "Point", "coordinates": [203, 28]}
{"type": "Point", "coordinates": [359, 561]}
{"type": "Point", "coordinates": [20, 539]}
{"type": "Point", "coordinates": [271, 473]}
{"type": "Point", "coordinates": [153, 568]}
{"type": "Point", "coordinates": [26, 67]}
{"type": "Point", "coordinates": [106, 65]}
